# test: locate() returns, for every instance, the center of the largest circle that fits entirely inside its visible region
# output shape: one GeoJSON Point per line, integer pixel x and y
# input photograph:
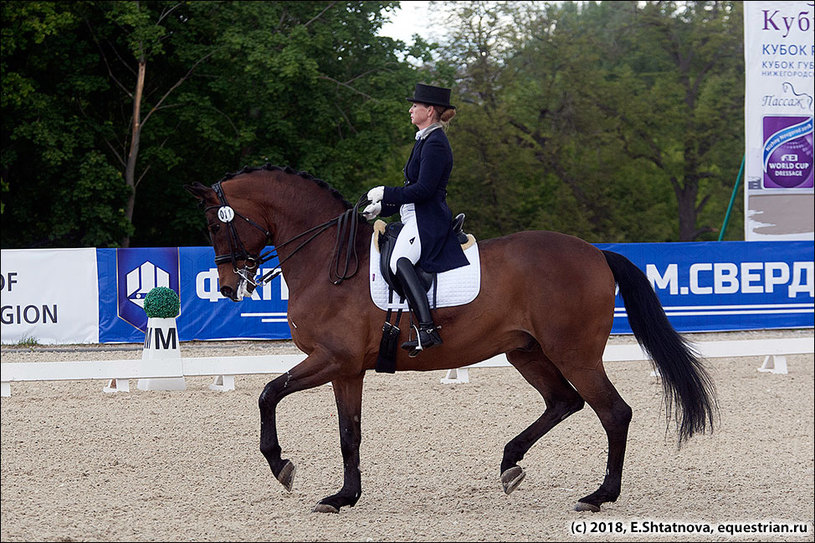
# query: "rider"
{"type": "Point", "coordinates": [427, 238]}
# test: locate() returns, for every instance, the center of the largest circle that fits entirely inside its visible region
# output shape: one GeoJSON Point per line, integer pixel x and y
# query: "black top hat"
{"type": "Point", "coordinates": [435, 96]}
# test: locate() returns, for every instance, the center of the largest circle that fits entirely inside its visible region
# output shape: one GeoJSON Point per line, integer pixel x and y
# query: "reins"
{"type": "Point", "coordinates": [347, 224]}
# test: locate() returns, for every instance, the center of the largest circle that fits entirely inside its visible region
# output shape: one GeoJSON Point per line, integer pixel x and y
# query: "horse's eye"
{"type": "Point", "coordinates": [213, 229]}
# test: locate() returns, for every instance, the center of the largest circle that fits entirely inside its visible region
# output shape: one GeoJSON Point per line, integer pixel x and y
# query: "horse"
{"type": "Point", "coordinates": [546, 300]}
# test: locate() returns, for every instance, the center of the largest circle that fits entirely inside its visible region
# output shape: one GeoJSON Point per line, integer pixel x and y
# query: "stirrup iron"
{"type": "Point", "coordinates": [431, 339]}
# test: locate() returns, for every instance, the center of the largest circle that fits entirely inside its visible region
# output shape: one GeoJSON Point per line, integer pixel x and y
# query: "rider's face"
{"type": "Point", "coordinates": [421, 115]}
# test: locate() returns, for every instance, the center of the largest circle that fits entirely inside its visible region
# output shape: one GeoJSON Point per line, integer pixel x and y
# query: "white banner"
{"type": "Point", "coordinates": [49, 296]}
{"type": "Point", "coordinates": [779, 61]}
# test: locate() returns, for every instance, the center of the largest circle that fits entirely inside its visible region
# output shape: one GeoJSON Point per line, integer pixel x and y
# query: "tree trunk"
{"type": "Point", "coordinates": [686, 200]}
{"type": "Point", "coordinates": [133, 154]}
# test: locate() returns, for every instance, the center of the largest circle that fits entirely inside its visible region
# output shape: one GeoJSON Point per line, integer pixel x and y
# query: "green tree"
{"type": "Point", "coordinates": [59, 185]}
{"type": "Point", "coordinates": [110, 107]}
{"type": "Point", "coordinates": [614, 121]}
{"type": "Point", "coordinates": [490, 175]}
{"type": "Point", "coordinates": [129, 36]}
{"type": "Point", "coordinates": [558, 79]}
{"type": "Point", "coordinates": [309, 85]}
{"type": "Point", "coordinates": [683, 122]}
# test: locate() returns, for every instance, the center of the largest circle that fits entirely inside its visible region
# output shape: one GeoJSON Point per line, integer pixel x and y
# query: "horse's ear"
{"type": "Point", "coordinates": [198, 190]}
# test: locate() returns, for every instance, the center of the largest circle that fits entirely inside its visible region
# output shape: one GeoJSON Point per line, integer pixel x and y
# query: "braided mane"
{"type": "Point", "coordinates": [305, 175]}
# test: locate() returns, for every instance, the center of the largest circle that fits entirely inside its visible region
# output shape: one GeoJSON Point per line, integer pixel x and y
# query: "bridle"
{"type": "Point", "coordinates": [346, 223]}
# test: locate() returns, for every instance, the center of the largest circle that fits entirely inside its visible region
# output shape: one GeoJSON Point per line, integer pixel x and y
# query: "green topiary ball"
{"type": "Point", "coordinates": [162, 302]}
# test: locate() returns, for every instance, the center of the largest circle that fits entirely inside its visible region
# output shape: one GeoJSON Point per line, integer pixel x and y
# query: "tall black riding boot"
{"type": "Point", "coordinates": [427, 335]}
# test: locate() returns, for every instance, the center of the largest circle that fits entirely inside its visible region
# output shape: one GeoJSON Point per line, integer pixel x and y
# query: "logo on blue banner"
{"type": "Point", "coordinates": [788, 152]}
{"type": "Point", "coordinates": [138, 271]}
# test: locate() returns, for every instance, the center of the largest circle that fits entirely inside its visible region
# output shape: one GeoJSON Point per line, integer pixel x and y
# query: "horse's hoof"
{"type": "Point", "coordinates": [324, 508]}
{"type": "Point", "coordinates": [583, 506]}
{"type": "Point", "coordinates": [511, 478]}
{"type": "Point", "coordinates": [286, 475]}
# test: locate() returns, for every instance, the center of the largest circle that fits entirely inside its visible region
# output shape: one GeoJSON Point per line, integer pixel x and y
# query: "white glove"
{"type": "Point", "coordinates": [376, 194]}
{"type": "Point", "coordinates": [372, 211]}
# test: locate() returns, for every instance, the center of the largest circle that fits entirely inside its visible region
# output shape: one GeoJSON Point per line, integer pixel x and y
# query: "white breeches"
{"type": "Point", "coordinates": [408, 245]}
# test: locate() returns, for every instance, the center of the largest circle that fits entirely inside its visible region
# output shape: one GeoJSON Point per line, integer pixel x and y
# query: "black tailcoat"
{"type": "Point", "coordinates": [426, 174]}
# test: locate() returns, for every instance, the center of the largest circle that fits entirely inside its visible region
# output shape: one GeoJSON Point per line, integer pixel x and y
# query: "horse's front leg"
{"type": "Point", "coordinates": [315, 370]}
{"type": "Point", "coordinates": [348, 393]}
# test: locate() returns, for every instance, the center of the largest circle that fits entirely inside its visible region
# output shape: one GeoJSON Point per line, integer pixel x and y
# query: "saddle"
{"type": "Point", "coordinates": [386, 240]}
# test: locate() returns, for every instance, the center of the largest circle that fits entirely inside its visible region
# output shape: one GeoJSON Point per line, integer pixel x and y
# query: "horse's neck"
{"type": "Point", "coordinates": [292, 213]}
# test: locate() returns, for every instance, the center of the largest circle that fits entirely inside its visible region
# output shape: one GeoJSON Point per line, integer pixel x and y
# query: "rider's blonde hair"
{"type": "Point", "coordinates": [444, 115]}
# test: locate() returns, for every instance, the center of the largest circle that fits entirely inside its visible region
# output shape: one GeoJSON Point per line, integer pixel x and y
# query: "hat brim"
{"type": "Point", "coordinates": [416, 100]}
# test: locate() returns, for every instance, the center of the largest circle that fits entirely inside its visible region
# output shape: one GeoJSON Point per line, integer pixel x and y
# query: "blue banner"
{"type": "Point", "coordinates": [710, 286]}
{"type": "Point", "coordinates": [125, 278]}
{"type": "Point", "coordinates": [206, 314]}
{"type": "Point", "coordinates": [127, 275]}
{"type": "Point", "coordinates": [725, 285]}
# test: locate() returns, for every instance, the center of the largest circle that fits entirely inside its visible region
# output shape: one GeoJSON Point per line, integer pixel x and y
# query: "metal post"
{"type": "Point", "coordinates": [732, 197]}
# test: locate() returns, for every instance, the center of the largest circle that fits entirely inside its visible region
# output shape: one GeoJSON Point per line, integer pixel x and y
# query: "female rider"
{"type": "Point", "coordinates": [427, 238]}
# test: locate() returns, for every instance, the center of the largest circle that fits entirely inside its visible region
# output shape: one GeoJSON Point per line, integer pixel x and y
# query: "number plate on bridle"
{"type": "Point", "coordinates": [226, 214]}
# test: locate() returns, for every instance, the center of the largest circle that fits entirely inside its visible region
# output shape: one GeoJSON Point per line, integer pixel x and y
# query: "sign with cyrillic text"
{"type": "Point", "coordinates": [56, 296]}
{"type": "Point", "coordinates": [778, 104]}
{"type": "Point", "coordinates": [726, 285]}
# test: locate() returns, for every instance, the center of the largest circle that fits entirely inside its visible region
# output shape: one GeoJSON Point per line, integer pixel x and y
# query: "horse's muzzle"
{"type": "Point", "coordinates": [242, 290]}
{"type": "Point", "coordinates": [229, 292]}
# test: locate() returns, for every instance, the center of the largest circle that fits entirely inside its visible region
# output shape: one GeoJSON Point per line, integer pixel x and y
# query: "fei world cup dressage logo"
{"type": "Point", "coordinates": [788, 155]}
{"type": "Point", "coordinates": [138, 271]}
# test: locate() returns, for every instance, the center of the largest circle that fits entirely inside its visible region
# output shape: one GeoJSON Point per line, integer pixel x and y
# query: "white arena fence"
{"type": "Point", "coordinates": [163, 368]}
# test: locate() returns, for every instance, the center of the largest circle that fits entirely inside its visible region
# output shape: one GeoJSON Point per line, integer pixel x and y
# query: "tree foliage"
{"type": "Point", "coordinates": [222, 85]}
{"type": "Point", "coordinates": [613, 121]}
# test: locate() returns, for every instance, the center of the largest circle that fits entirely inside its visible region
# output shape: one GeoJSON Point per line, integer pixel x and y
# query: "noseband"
{"type": "Point", "coordinates": [346, 230]}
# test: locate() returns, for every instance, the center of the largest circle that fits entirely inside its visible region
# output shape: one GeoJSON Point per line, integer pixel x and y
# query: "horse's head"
{"type": "Point", "coordinates": [236, 237]}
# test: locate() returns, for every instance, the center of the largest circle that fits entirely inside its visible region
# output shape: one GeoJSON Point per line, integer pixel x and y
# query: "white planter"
{"type": "Point", "coordinates": [161, 342]}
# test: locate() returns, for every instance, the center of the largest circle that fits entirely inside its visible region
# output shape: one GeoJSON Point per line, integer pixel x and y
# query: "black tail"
{"type": "Point", "coordinates": [688, 388]}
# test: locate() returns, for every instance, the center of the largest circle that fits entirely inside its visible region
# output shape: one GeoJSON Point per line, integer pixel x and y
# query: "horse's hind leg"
{"type": "Point", "coordinates": [561, 401]}
{"type": "Point", "coordinates": [615, 416]}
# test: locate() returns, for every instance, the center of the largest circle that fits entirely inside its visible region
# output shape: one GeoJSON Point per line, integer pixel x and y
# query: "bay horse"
{"type": "Point", "coordinates": [546, 300]}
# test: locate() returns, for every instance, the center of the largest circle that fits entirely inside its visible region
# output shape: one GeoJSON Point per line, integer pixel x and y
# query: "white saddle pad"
{"type": "Point", "coordinates": [456, 287]}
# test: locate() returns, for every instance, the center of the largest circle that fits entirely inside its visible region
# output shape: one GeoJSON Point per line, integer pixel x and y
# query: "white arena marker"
{"type": "Point", "coordinates": [774, 364]}
{"type": "Point", "coordinates": [223, 383]}
{"type": "Point", "coordinates": [161, 343]}
{"type": "Point", "coordinates": [117, 385]}
{"type": "Point", "coordinates": [459, 375]}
